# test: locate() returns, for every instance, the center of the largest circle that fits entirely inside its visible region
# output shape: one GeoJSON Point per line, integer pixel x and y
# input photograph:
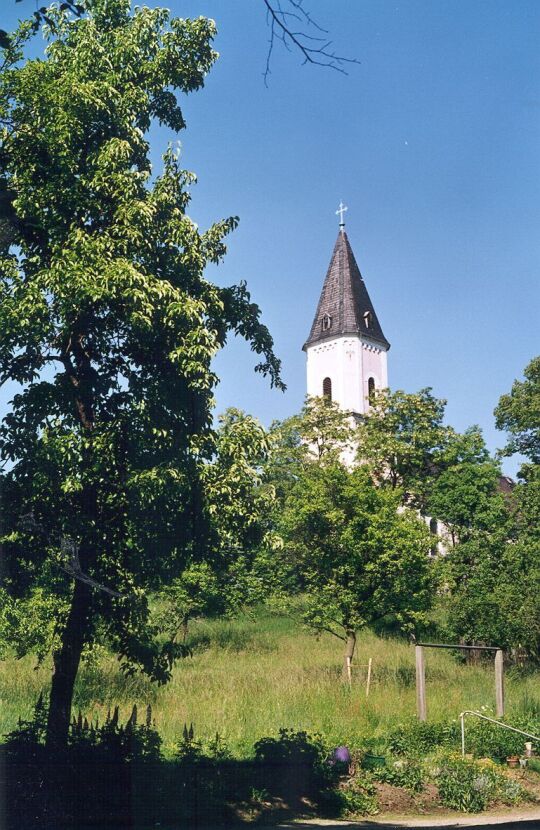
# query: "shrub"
{"type": "Point", "coordinates": [471, 786]}
{"type": "Point", "coordinates": [418, 738]}
{"type": "Point", "coordinates": [407, 773]}
{"type": "Point", "coordinates": [293, 748]}
{"type": "Point", "coordinates": [358, 797]}
{"type": "Point", "coordinates": [299, 764]}
{"type": "Point", "coordinates": [487, 740]}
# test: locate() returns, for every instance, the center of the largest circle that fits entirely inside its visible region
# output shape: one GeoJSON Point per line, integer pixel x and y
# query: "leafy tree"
{"type": "Point", "coordinates": [358, 559]}
{"type": "Point", "coordinates": [321, 432]}
{"type": "Point", "coordinates": [402, 440]}
{"type": "Point", "coordinates": [519, 414]}
{"type": "Point", "coordinates": [240, 505]}
{"type": "Point", "coordinates": [495, 595]}
{"type": "Point", "coordinates": [466, 498]}
{"type": "Point", "coordinates": [405, 444]}
{"type": "Point", "coordinates": [109, 326]}
{"type": "Point", "coordinates": [495, 569]}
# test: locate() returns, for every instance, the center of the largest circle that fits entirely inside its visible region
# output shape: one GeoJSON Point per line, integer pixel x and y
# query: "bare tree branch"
{"type": "Point", "coordinates": [314, 49]}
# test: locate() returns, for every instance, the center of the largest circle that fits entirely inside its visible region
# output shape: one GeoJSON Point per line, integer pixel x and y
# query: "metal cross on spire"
{"type": "Point", "coordinates": [341, 210]}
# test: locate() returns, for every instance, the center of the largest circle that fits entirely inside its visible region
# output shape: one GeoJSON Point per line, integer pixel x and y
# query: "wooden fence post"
{"type": "Point", "coordinates": [499, 682]}
{"type": "Point", "coordinates": [368, 680]}
{"type": "Point", "coordinates": [420, 683]}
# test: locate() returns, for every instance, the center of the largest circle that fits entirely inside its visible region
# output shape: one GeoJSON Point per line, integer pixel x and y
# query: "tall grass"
{"type": "Point", "coordinates": [247, 678]}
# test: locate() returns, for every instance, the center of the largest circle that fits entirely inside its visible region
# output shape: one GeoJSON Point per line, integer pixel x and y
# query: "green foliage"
{"type": "Point", "coordinates": [356, 558]}
{"type": "Point", "coordinates": [493, 574]}
{"type": "Point", "coordinates": [293, 747]}
{"type": "Point", "coordinates": [28, 624]}
{"type": "Point", "coordinates": [403, 441]}
{"type": "Point", "coordinates": [488, 741]}
{"type": "Point", "coordinates": [466, 498]}
{"type": "Point", "coordinates": [110, 327]}
{"type": "Point", "coordinates": [319, 434]}
{"type": "Point", "coordinates": [494, 571]}
{"type": "Point", "coordinates": [495, 598]}
{"type": "Point", "coordinates": [240, 505]}
{"type": "Point", "coordinates": [484, 739]}
{"type": "Point", "coordinates": [470, 786]}
{"type": "Point", "coordinates": [358, 796]}
{"type": "Point", "coordinates": [417, 739]}
{"type": "Point", "coordinates": [519, 414]}
{"type": "Point", "coordinates": [323, 430]}
{"type": "Point", "coordinates": [404, 772]}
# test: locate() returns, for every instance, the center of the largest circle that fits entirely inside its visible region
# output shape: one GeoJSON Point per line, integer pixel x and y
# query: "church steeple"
{"type": "Point", "coordinates": [346, 348]}
{"type": "Point", "coordinates": [344, 306]}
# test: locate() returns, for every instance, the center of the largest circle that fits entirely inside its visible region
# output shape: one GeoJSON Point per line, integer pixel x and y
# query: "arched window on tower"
{"type": "Point", "coordinates": [327, 388]}
{"type": "Point", "coordinates": [371, 389]}
{"type": "Point", "coordinates": [326, 322]}
{"type": "Point", "coordinates": [368, 319]}
{"type": "Point", "coordinates": [433, 529]}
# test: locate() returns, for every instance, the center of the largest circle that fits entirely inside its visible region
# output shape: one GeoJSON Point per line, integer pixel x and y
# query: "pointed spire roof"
{"type": "Point", "coordinates": [344, 305]}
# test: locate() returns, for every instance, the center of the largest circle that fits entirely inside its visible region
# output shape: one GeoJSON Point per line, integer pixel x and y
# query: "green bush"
{"type": "Point", "coordinates": [405, 772]}
{"type": "Point", "coordinates": [418, 738]}
{"type": "Point", "coordinates": [358, 797]}
{"type": "Point", "coordinates": [483, 739]}
{"type": "Point", "coordinates": [462, 786]}
{"type": "Point", "coordinates": [470, 786]}
{"type": "Point", "coordinates": [486, 740]}
{"type": "Point", "coordinates": [292, 748]}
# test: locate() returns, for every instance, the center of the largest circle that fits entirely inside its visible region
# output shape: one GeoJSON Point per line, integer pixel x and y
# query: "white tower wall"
{"type": "Point", "coordinates": [349, 362]}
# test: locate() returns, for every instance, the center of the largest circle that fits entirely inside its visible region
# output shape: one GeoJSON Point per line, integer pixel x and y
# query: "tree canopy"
{"type": "Point", "coordinates": [109, 325]}
{"type": "Point", "coordinates": [518, 412]}
{"type": "Point", "coordinates": [351, 553]}
{"type": "Point", "coordinates": [494, 571]}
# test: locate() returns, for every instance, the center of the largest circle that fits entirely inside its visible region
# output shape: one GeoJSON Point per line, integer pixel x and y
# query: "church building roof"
{"type": "Point", "coordinates": [345, 306]}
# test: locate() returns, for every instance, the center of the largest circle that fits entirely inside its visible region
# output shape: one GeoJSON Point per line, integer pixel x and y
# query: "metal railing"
{"type": "Point", "coordinates": [491, 720]}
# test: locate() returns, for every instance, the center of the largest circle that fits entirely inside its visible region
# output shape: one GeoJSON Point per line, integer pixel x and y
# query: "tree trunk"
{"type": "Point", "coordinates": [66, 664]}
{"type": "Point", "coordinates": [185, 628]}
{"type": "Point", "coordinates": [78, 626]}
{"type": "Point", "coordinates": [350, 645]}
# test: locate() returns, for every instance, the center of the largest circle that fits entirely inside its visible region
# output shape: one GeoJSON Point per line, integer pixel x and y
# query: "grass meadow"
{"type": "Point", "coordinates": [251, 676]}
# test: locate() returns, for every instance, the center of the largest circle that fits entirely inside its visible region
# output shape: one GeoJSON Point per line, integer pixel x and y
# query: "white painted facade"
{"type": "Point", "coordinates": [349, 361]}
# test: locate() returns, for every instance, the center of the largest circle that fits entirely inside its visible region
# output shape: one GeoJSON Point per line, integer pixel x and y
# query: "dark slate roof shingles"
{"type": "Point", "coordinates": [344, 298]}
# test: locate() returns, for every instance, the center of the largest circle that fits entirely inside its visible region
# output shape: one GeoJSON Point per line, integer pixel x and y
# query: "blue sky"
{"type": "Point", "coordinates": [433, 142]}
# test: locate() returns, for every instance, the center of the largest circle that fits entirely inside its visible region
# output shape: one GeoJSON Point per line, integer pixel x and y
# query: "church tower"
{"type": "Point", "coordinates": [346, 348]}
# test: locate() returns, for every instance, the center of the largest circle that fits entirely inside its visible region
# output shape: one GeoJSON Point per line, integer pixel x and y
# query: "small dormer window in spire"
{"type": "Point", "coordinates": [368, 319]}
{"type": "Point", "coordinates": [326, 322]}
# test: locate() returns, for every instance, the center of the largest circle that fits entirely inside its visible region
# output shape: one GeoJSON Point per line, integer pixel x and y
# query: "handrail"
{"type": "Point", "coordinates": [491, 720]}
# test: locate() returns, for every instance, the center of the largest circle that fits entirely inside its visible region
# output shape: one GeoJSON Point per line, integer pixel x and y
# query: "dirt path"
{"type": "Point", "coordinates": [518, 819]}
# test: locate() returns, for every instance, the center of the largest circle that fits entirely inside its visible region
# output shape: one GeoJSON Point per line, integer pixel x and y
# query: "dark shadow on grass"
{"type": "Point", "coordinates": [84, 790]}
{"type": "Point", "coordinates": [114, 776]}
